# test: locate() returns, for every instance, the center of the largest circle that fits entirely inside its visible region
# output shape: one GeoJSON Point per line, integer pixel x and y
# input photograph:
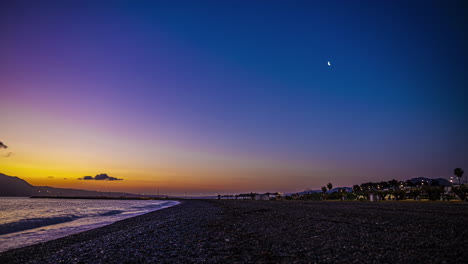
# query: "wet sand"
{"type": "Point", "coordinates": [230, 231]}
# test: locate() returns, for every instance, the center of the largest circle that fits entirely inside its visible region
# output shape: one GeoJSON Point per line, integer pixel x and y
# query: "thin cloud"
{"type": "Point", "coordinates": [100, 177]}
{"type": "Point", "coordinates": [3, 145]}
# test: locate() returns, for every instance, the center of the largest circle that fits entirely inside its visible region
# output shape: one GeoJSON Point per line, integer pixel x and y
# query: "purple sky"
{"type": "Point", "coordinates": [223, 97]}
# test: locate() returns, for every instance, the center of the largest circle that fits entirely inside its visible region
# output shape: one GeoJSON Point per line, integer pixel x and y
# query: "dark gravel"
{"type": "Point", "coordinates": [231, 231]}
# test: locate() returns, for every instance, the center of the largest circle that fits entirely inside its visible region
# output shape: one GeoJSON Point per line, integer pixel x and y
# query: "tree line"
{"type": "Point", "coordinates": [392, 190]}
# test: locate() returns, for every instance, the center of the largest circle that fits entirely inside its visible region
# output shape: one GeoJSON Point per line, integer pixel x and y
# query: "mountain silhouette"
{"type": "Point", "coordinates": [439, 181]}
{"type": "Point", "coordinates": [14, 186]}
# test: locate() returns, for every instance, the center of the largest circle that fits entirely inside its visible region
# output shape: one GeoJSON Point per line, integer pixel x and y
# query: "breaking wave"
{"type": "Point", "coordinates": [32, 223]}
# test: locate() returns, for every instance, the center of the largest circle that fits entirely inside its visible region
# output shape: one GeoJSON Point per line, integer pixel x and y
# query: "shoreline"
{"type": "Point", "coordinates": [30, 227]}
{"type": "Point", "coordinates": [229, 231]}
{"type": "Point", "coordinates": [99, 197]}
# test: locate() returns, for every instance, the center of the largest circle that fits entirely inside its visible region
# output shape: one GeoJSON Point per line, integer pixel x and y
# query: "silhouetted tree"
{"type": "Point", "coordinates": [329, 186]}
{"type": "Point", "coordinates": [383, 185]}
{"type": "Point", "coordinates": [324, 192]}
{"type": "Point", "coordinates": [399, 194]}
{"type": "Point", "coordinates": [393, 183]}
{"type": "Point", "coordinates": [434, 192]}
{"type": "Point", "coordinates": [409, 183]}
{"type": "Point", "coordinates": [415, 193]}
{"type": "Point", "coordinates": [461, 191]}
{"type": "Point", "coordinates": [324, 189]}
{"type": "Point", "coordinates": [382, 194]}
{"type": "Point", "coordinates": [368, 186]}
{"type": "Point", "coordinates": [459, 173]}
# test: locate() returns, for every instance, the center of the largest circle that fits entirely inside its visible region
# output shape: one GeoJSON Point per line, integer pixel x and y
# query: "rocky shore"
{"type": "Point", "coordinates": [230, 231]}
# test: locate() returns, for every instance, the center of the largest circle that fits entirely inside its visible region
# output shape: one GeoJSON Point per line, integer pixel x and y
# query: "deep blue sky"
{"type": "Point", "coordinates": [249, 80]}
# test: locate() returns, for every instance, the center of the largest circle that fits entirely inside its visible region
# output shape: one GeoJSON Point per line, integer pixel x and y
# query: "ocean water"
{"type": "Point", "coordinates": [26, 221]}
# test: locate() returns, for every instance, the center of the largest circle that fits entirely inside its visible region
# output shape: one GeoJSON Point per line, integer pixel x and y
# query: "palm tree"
{"type": "Point", "coordinates": [329, 186]}
{"type": "Point", "coordinates": [324, 192]}
{"type": "Point", "coordinates": [324, 189]}
{"type": "Point", "coordinates": [459, 173]}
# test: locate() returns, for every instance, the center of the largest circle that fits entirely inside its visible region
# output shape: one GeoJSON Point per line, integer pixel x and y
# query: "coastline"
{"type": "Point", "coordinates": [25, 221]}
{"type": "Point", "coordinates": [99, 197]}
{"type": "Point", "coordinates": [268, 232]}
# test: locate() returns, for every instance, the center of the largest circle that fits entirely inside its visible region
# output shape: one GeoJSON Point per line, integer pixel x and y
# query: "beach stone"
{"type": "Point", "coordinates": [229, 231]}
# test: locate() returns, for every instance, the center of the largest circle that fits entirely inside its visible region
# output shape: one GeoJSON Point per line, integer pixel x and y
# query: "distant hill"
{"type": "Point", "coordinates": [14, 186]}
{"type": "Point", "coordinates": [440, 181]}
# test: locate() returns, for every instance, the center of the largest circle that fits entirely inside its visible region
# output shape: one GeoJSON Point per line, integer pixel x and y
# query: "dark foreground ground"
{"type": "Point", "coordinates": [269, 232]}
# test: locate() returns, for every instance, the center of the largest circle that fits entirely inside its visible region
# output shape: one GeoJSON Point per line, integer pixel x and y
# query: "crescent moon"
{"type": "Point", "coordinates": [329, 64]}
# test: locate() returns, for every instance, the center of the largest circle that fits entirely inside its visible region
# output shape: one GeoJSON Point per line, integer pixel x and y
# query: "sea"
{"type": "Point", "coordinates": [26, 221]}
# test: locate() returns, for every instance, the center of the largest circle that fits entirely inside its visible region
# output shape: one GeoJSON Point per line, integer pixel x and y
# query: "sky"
{"type": "Point", "coordinates": [207, 97]}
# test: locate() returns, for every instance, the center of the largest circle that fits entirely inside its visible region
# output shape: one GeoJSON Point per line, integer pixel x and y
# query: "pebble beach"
{"type": "Point", "coordinates": [230, 231]}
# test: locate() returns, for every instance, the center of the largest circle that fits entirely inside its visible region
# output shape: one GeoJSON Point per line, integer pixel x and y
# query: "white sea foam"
{"type": "Point", "coordinates": [25, 221]}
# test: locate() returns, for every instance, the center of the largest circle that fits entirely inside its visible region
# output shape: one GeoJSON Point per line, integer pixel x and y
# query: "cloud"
{"type": "Point", "coordinates": [3, 145]}
{"type": "Point", "coordinates": [100, 177]}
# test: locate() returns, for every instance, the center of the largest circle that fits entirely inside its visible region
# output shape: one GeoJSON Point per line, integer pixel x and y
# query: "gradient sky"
{"type": "Point", "coordinates": [205, 97]}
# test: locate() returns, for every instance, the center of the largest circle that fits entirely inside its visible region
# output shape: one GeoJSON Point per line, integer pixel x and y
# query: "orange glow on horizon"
{"type": "Point", "coordinates": [49, 155]}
